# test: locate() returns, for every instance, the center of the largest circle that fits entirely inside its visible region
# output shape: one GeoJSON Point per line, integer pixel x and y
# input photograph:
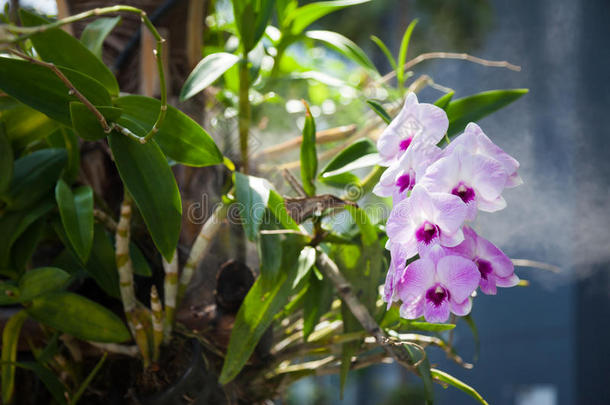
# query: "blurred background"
{"type": "Point", "coordinates": [547, 344]}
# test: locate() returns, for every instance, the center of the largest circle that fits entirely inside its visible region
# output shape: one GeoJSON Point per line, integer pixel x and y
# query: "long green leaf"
{"type": "Point", "coordinates": [302, 17]}
{"type": "Point", "coordinates": [6, 161]}
{"type": "Point", "coordinates": [76, 212]}
{"type": "Point", "coordinates": [180, 138]}
{"type": "Point", "coordinates": [344, 46]}
{"type": "Point", "coordinates": [279, 211]}
{"type": "Point", "coordinates": [305, 262]}
{"type": "Point", "coordinates": [150, 181]}
{"type": "Point", "coordinates": [309, 157]}
{"type": "Point", "coordinates": [257, 311]}
{"type": "Point", "coordinates": [252, 194]}
{"type": "Point", "coordinates": [473, 108]}
{"type": "Point", "coordinates": [380, 111]}
{"type": "Point", "coordinates": [385, 51]}
{"type": "Point", "coordinates": [10, 340]}
{"type": "Point", "coordinates": [361, 153]}
{"type": "Point", "coordinates": [206, 72]}
{"type": "Point", "coordinates": [451, 380]}
{"type": "Point", "coordinates": [443, 101]}
{"type": "Point", "coordinates": [48, 94]}
{"type": "Point", "coordinates": [251, 19]}
{"type": "Point", "coordinates": [86, 124]}
{"type": "Point", "coordinates": [62, 49]}
{"type": "Point", "coordinates": [24, 125]}
{"type": "Point", "coordinates": [13, 224]}
{"type": "Point", "coordinates": [48, 378]}
{"type": "Point", "coordinates": [316, 303]}
{"type": "Point", "coordinates": [81, 390]}
{"type": "Point", "coordinates": [40, 281]}
{"type": "Point", "coordinates": [34, 176]}
{"type": "Point", "coordinates": [402, 55]}
{"type": "Point", "coordinates": [95, 33]}
{"type": "Point", "coordinates": [25, 246]}
{"type": "Point", "coordinates": [65, 138]}
{"type": "Point", "coordinates": [78, 316]}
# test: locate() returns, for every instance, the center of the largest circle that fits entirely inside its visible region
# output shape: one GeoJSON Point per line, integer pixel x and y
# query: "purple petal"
{"type": "Point", "coordinates": [436, 313]}
{"type": "Point", "coordinates": [416, 279]}
{"type": "Point", "coordinates": [412, 309]}
{"type": "Point", "coordinates": [450, 212]}
{"type": "Point", "coordinates": [488, 284]}
{"type": "Point", "coordinates": [491, 205]}
{"type": "Point", "coordinates": [462, 308]}
{"type": "Point", "coordinates": [509, 281]}
{"type": "Point", "coordinates": [501, 264]}
{"type": "Point", "coordinates": [484, 174]}
{"type": "Point", "coordinates": [459, 275]}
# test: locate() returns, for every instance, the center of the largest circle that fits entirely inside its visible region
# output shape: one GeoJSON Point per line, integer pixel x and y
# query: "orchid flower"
{"type": "Point", "coordinates": [495, 268]}
{"type": "Point", "coordinates": [435, 286]}
{"type": "Point", "coordinates": [475, 141]}
{"type": "Point", "coordinates": [400, 178]}
{"type": "Point", "coordinates": [476, 179]}
{"type": "Point", "coordinates": [398, 262]}
{"type": "Point", "coordinates": [426, 219]}
{"type": "Point", "coordinates": [415, 123]}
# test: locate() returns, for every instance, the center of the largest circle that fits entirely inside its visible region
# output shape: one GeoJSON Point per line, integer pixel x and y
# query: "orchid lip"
{"type": "Point", "coordinates": [406, 182]}
{"type": "Point", "coordinates": [484, 266]}
{"type": "Point", "coordinates": [427, 232]}
{"type": "Point", "coordinates": [437, 295]}
{"type": "Point", "coordinates": [404, 144]}
{"type": "Point", "coordinates": [466, 193]}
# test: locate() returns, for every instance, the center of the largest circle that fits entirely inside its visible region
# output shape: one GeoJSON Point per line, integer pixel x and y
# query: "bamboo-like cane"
{"type": "Point", "coordinates": [125, 269]}
{"type": "Point", "coordinates": [200, 247]}
{"type": "Point", "coordinates": [170, 289]}
{"type": "Point", "coordinates": [157, 322]}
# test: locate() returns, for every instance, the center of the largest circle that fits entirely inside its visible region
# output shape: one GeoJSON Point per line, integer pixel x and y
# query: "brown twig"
{"type": "Point", "coordinates": [451, 55]}
{"type": "Point", "coordinates": [105, 219]}
{"type": "Point", "coordinates": [71, 88]}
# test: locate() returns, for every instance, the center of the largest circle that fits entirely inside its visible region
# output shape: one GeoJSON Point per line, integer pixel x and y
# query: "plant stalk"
{"type": "Point", "coordinates": [244, 111]}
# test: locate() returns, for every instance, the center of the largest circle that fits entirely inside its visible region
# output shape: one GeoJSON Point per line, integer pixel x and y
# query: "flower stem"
{"type": "Point", "coordinates": [244, 111]}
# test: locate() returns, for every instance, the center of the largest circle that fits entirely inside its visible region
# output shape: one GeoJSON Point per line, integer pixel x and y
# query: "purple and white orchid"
{"type": "Point", "coordinates": [400, 178]}
{"type": "Point", "coordinates": [435, 286]}
{"type": "Point", "coordinates": [415, 124]}
{"type": "Point", "coordinates": [474, 140]}
{"type": "Point", "coordinates": [424, 220]}
{"type": "Point", "coordinates": [477, 179]}
{"type": "Point", "coordinates": [495, 268]}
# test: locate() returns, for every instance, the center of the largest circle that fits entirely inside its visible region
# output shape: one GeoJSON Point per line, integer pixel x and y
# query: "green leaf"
{"type": "Point", "coordinates": [48, 378]}
{"type": "Point", "coordinates": [443, 101]}
{"type": "Point", "coordinates": [81, 390]}
{"type": "Point", "coordinates": [24, 126]}
{"type": "Point", "coordinates": [9, 293]}
{"type": "Point", "coordinates": [6, 161]}
{"type": "Point", "coordinates": [302, 17]}
{"type": "Point", "coordinates": [95, 33]}
{"type": "Point", "coordinates": [76, 212]}
{"type": "Point", "coordinates": [473, 108]}
{"type": "Point", "coordinates": [251, 18]}
{"type": "Point", "coordinates": [34, 176]}
{"type": "Point", "coordinates": [10, 341]}
{"type": "Point", "coordinates": [309, 157]}
{"type": "Point", "coordinates": [317, 302]}
{"type": "Point", "coordinates": [402, 55]}
{"type": "Point", "coordinates": [279, 211]}
{"type": "Point", "coordinates": [26, 245]}
{"type": "Point", "coordinates": [40, 281]}
{"type": "Point", "coordinates": [429, 327]}
{"type": "Point", "coordinates": [385, 51]}
{"type": "Point", "coordinates": [86, 124]}
{"type": "Point", "coordinates": [270, 260]}
{"type": "Point", "coordinates": [65, 138]}
{"type": "Point", "coordinates": [206, 72]}
{"type": "Point", "coordinates": [62, 49]}
{"type": "Point", "coordinates": [305, 262]}
{"type": "Point", "coordinates": [419, 356]}
{"type": "Point", "coordinates": [150, 181]}
{"type": "Point", "coordinates": [338, 167]}
{"type": "Point", "coordinates": [256, 313]}
{"type": "Point", "coordinates": [252, 194]}
{"type": "Point", "coordinates": [48, 94]}
{"type": "Point", "coordinates": [451, 380]}
{"type": "Point", "coordinates": [180, 138]}
{"type": "Point", "coordinates": [344, 46]}
{"type": "Point", "coordinates": [78, 316]}
{"type": "Point", "coordinates": [13, 224]}
{"type": "Point", "coordinates": [140, 264]}
{"type": "Point", "coordinates": [380, 111]}
{"type": "Point", "coordinates": [102, 265]}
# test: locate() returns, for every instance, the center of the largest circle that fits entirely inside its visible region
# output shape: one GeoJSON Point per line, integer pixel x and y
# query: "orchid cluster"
{"type": "Point", "coordinates": [436, 194]}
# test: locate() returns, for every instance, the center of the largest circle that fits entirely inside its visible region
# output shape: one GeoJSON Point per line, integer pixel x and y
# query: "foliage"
{"type": "Point", "coordinates": [53, 104]}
